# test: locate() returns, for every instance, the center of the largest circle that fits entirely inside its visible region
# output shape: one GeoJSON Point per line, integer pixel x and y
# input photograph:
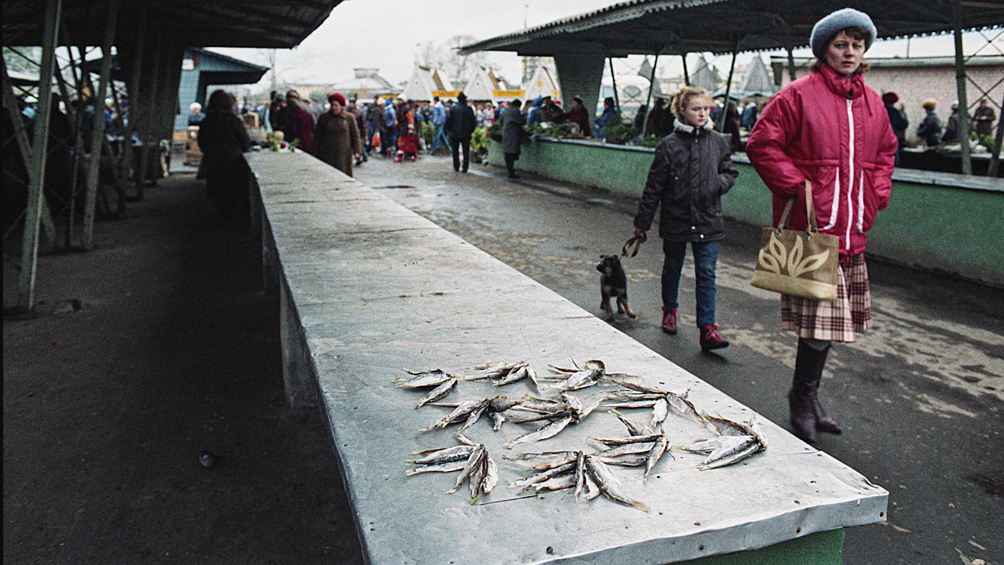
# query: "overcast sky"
{"type": "Point", "coordinates": [387, 35]}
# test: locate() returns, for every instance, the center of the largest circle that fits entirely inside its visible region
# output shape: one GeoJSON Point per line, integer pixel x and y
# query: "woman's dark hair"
{"type": "Point", "coordinates": [221, 101]}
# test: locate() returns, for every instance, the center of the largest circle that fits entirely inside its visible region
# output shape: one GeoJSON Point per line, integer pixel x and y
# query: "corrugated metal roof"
{"type": "Point", "coordinates": [719, 26]}
{"type": "Point", "coordinates": [190, 23]}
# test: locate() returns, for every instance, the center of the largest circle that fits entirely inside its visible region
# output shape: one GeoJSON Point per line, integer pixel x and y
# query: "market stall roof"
{"type": "Point", "coordinates": [721, 26]}
{"type": "Point", "coordinates": [192, 23]}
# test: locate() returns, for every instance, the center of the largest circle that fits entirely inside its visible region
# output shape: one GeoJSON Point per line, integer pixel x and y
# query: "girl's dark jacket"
{"type": "Point", "coordinates": [691, 171]}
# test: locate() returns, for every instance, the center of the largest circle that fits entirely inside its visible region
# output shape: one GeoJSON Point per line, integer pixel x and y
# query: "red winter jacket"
{"type": "Point", "coordinates": [835, 132]}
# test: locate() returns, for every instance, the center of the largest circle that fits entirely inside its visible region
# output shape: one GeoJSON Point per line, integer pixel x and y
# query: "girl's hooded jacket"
{"type": "Point", "coordinates": [833, 131]}
{"type": "Point", "coordinates": [691, 171]}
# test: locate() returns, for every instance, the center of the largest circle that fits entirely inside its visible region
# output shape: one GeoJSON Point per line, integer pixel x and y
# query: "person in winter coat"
{"type": "Point", "coordinates": [828, 128]}
{"type": "Point", "coordinates": [930, 129]}
{"type": "Point", "coordinates": [299, 122]}
{"type": "Point", "coordinates": [512, 133]}
{"type": "Point", "coordinates": [222, 140]}
{"type": "Point", "coordinates": [898, 121]}
{"type": "Point", "coordinates": [951, 134]}
{"type": "Point", "coordinates": [336, 138]}
{"type": "Point", "coordinates": [460, 123]}
{"type": "Point", "coordinates": [578, 116]}
{"type": "Point", "coordinates": [691, 171]}
{"type": "Point", "coordinates": [984, 118]}
{"type": "Point", "coordinates": [533, 116]}
{"type": "Point", "coordinates": [439, 138]}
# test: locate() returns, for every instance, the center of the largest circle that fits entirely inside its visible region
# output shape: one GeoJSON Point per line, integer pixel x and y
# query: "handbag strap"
{"type": "Point", "coordinates": [812, 227]}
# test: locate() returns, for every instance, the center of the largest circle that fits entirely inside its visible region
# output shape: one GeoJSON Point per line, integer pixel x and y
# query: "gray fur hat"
{"type": "Point", "coordinates": [827, 28]}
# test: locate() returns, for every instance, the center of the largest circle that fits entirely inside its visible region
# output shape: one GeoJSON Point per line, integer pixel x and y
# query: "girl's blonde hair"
{"type": "Point", "coordinates": [684, 95]}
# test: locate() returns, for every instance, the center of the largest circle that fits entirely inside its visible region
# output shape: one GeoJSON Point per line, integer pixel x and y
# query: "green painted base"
{"type": "Point", "coordinates": [823, 548]}
{"type": "Point", "coordinates": [938, 222]}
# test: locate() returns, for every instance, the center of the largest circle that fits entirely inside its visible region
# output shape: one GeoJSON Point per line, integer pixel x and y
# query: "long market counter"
{"type": "Point", "coordinates": [369, 288]}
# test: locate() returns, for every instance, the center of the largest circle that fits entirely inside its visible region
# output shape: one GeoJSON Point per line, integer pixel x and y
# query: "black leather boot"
{"type": "Point", "coordinates": [807, 414]}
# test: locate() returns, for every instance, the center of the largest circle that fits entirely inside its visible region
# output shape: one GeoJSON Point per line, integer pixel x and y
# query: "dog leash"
{"type": "Point", "coordinates": [636, 241]}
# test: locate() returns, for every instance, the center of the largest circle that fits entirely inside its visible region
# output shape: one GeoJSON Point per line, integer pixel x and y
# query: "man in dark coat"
{"type": "Point", "coordinates": [460, 123]}
{"type": "Point", "coordinates": [512, 130]}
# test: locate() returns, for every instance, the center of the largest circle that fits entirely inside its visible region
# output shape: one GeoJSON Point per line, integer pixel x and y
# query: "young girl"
{"type": "Point", "coordinates": [692, 169]}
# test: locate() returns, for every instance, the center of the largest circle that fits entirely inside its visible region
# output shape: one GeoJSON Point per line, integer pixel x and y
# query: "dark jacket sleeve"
{"type": "Point", "coordinates": [727, 172]}
{"type": "Point", "coordinates": [659, 177]}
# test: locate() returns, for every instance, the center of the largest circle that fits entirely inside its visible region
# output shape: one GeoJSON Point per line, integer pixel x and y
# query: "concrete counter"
{"type": "Point", "coordinates": [370, 288]}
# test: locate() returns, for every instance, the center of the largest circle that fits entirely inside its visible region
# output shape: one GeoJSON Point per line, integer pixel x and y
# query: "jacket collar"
{"type": "Point", "coordinates": [681, 127]}
{"type": "Point", "coordinates": [844, 87]}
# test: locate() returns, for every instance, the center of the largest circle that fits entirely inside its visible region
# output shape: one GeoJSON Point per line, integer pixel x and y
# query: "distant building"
{"type": "Point", "coordinates": [366, 84]}
{"type": "Point", "coordinates": [917, 79]}
{"type": "Point", "coordinates": [202, 70]}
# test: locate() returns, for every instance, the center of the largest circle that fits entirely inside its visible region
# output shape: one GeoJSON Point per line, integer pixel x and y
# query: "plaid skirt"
{"type": "Point", "coordinates": [839, 320]}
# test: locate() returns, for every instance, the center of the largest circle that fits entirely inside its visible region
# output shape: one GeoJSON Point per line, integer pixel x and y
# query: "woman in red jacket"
{"type": "Point", "coordinates": [831, 129]}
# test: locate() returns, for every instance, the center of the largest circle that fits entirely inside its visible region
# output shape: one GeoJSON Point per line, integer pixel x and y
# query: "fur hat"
{"type": "Point", "coordinates": [890, 98]}
{"type": "Point", "coordinates": [337, 97]}
{"type": "Point", "coordinates": [827, 28]}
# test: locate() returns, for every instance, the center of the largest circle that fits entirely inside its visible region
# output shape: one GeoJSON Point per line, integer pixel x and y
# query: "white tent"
{"type": "Point", "coordinates": [424, 83]}
{"type": "Point", "coordinates": [542, 84]}
{"type": "Point", "coordinates": [482, 87]}
{"type": "Point", "coordinates": [703, 77]}
{"type": "Point", "coordinates": [757, 80]}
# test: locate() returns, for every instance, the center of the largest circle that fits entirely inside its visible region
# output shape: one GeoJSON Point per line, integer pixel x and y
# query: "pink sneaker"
{"type": "Point", "coordinates": [711, 339]}
{"type": "Point", "coordinates": [669, 320]}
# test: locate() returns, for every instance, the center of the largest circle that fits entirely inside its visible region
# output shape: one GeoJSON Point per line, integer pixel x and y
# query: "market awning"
{"type": "Point", "coordinates": [191, 23]}
{"type": "Point", "coordinates": [724, 26]}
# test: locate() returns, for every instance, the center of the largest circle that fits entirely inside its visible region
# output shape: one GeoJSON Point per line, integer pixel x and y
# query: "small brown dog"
{"type": "Point", "coordinates": [613, 283]}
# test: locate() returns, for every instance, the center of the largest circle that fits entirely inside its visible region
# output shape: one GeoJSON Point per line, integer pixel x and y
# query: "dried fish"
{"type": "Point", "coordinates": [423, 379]}
{"type": "Point", "coordinates": [455, 453]}
{"type": "Point", "coordinates": [628, 448]}
{"type": "Point", "coordinates": [732, 450]}
{"type": "Point", "coordinates": [557, 483]}
{"type": "Point", "coordinates": [608, 483]}
{"type": "Point", "coordinates": [615, 441]}
{"type": "Point", "coordinates": [449, 467]}
{"type": "Point", "coordinates": [473, 463]}
{"type": "Point", "coordinates": [658, 450]}
{"type": "Point", "coordinates": [528, 482]}
{"type": "Point", "coordinates": [439, 392]}
{"type": "Point", "coordinates": [634, 428]}
{"type": "Point", "coordinates": [684, 407]}
{"type": "Point", "coordinates": [460, 413]}
{"type": "Point", "coordinates": [544, 432]}
{"type": "Point", "coordinates": [659, 412]}
{"type": "Point", "coordinates": [513, 376]}
{"type": "Point", "coordinates": [624, 459]}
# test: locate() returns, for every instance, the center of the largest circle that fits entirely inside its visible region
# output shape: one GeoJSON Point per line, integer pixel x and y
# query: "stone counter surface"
{"type": "Point", "coordinates": [378, 289]}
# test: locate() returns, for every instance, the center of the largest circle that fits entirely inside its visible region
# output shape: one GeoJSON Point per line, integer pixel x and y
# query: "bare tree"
{"type": "Point", "coordinates": [429, 55]}
{"type": "Point", "coordinates": [461, 68]}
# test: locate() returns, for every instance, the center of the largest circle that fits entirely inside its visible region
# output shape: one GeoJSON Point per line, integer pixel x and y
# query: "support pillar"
{"type": "Point", "coordinates": [39, 150]}
{"type": "Point", "coordinates": [960, 79]}
{"type": "Point", "coordinates": [98, 134]}
{"type": "Point", "coordinates": [581, 74]}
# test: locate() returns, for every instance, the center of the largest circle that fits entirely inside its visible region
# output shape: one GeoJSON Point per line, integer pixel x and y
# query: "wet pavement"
{"type": "Point", "coordinates": [920, 397]}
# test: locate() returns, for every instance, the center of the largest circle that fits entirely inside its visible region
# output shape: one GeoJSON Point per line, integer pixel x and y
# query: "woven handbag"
{"type": "Point", "coordinates": [795, 262]}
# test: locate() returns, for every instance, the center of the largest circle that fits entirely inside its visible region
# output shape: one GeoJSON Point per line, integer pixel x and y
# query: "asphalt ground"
{"type": "Point", "coordinates": [158, 346]}
{"type": "Point", "coordinates": [919, 397]}
{"type": "Point", "coordinates": [146, 353]}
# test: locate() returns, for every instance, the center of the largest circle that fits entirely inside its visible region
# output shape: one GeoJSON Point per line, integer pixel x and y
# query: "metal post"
{"type": "Point", "coordinates": [648, 99]}
{"type": "Point", "coordinates": [97, 136]}
{"type": "Point", "coordinates": [686, 75]}
{"type": "Point", "coordinates": [133, 90]}
{"type": "Point", "coordinates": [149, 120]}
{"type": "Point", "coordinates": [39, 150]}
{"type": "Point", "coordinates": [998, 142]}
{"type": "Point", "coordinates": [960, 78]}
{"type": "Point", "coordinates": [613, 77]}
{"type": "Point", "coordinates": [728, 88]}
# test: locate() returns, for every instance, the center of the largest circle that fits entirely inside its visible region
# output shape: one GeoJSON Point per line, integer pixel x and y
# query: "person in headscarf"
{"type": "Point", "coordinates": [336, 137]}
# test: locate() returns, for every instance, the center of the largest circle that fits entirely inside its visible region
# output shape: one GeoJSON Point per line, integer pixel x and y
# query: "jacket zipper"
{"type": "Point", "coordinates": [850, 175]}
